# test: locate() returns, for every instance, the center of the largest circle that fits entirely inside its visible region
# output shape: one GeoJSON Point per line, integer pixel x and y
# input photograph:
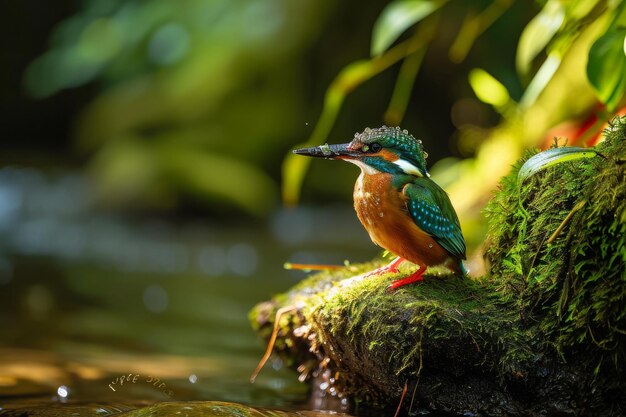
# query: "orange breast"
{"type": "Point", "coordinates": [382, 211]}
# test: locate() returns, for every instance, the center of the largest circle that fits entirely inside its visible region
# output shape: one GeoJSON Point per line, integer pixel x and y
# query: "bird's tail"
{"type": "Point", "coordinates": [456, 266]}
{"type": "Point", "coordinates": [463, 269]}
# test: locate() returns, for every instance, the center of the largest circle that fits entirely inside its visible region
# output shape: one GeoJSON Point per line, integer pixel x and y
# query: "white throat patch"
{"type": "Point", "coordinates": [408, 167]}
{"type": "Point", "coordinates": [366, 169]}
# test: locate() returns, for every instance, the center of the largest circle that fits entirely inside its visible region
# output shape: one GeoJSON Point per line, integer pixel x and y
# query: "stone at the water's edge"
{"type": "Point", "coordinates": [162, 409]}
{"type": "Point", "coordinates": [213, 409]}
{"type": "Point", "coordinates": [543, 334]}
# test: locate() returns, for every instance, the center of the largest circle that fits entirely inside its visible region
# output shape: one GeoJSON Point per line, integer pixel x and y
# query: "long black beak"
{"type": "Point", "coordinates": [327, 151]}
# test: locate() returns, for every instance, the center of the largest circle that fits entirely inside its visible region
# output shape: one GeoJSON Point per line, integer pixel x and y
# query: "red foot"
{"type": "Point", "coordinates": [417, 276]}
{"type": "Point", "coordinates": [391, 267]}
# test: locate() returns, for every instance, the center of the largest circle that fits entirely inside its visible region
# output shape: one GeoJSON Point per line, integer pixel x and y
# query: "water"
{"type": "Point", "coordinates": [103, 313]}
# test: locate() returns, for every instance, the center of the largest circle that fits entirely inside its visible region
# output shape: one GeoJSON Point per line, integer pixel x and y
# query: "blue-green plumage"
{"type": "Point", "coordinates": [402, 209]}
{"type": "Point", "coordinates": [432, 212]}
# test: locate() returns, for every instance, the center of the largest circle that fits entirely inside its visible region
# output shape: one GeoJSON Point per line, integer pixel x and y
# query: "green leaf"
{"type": "Point", "coordinates": [488, 89]}
{"type": "Point", "coordinates": [541, 79]}
{"type": "Point", "coordinates": [294, 166]}
{"type": "Point", "coordinates": [606, 67]}
{"type": "Point", "coordinates": [551, 157]}
{"type": "Point", "coordinates": [579, 9]}
{"type": "Point", "coordinates": [398, 17]}
{"type": "Point", "coordinates": [538, 33]}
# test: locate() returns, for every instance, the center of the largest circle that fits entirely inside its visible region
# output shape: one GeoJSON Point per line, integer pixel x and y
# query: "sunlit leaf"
{"type": "Point", "coordinates": [488, 89]}
{"type": "Point", "coordinates": [538, 33]}
{"type": "Point", "coordinates": [129, 172]}
{"type": "Point", "coordinates": [398, 17]}
{"type": "Point", "coordinates": [541, 79]}
{"type": "Point", "coordinates": [606, 67]}
{"type": "Point", "coordinates": [578, 9]}
{"type": "Point", "coordinates": [126, 171]}
{"type": "Point", "coordinates": [408, 72]}
{"type": "Point", "coordinates": [551, 157]}
{"type": "Point", "coordinates": [403, 88]}
{"type": "Point", "coordinates": [474, 25]}
{"type": "Point", "coordinates": [295, 166]}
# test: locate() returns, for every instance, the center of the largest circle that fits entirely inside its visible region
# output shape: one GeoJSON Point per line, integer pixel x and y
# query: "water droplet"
{"type": "Point", "coordinates": [63, 391]}
{"type": "Point", "coordinates": [381, 214]}
{"type": "Point", "coordinates": [193, 378]}
{"type": "Point", "coordinates": [430, 245]}
{"type": "Point", "coordinates": [406, 132]}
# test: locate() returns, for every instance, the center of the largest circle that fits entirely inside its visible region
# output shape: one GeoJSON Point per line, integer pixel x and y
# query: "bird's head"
{"type": "Point", "coordinates": [385, 149]}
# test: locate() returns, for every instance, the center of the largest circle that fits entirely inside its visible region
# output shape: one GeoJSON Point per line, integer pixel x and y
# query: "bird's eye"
{"type": "Point", "coordinates": [375, 147]}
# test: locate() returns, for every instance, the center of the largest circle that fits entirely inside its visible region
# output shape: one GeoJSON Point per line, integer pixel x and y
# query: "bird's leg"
{"type": "Point", "coordinates": [391, 267]}
{"type": "Point", "coordinates": [414, 277]}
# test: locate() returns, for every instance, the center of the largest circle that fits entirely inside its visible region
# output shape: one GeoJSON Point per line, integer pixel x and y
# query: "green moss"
{"type": "Point", "coordinates": [544, 331]}
{"type": "Point", "coordinates": [354, 325]}
{"type": "Point", "coordinates": [572, 291]}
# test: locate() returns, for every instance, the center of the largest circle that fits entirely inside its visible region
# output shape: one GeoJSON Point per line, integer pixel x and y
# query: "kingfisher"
{"type": "Point", "coordinates": [402, 209]}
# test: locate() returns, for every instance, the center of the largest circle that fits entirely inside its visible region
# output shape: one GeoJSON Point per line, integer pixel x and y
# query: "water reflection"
{"type": "Point", "coordinates": [155, 298]}
{"type": "Point", "coordinates": [212, 260]}
{"type": "Point", "coordinates": [89, 296]}
{"type": "Point", "coordinates": [54, 217]}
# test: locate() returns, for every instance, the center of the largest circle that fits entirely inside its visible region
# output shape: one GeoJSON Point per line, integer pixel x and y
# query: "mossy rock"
{"type": "Point", "coordinates": [542, 334]}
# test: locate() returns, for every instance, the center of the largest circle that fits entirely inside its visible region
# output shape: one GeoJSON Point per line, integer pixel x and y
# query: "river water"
{"type": "Point", "coordinates": [103, 312]}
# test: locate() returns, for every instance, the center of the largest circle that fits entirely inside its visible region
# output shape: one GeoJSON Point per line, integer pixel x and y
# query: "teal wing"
{"type": "Point", "coordinates": [431, 210]}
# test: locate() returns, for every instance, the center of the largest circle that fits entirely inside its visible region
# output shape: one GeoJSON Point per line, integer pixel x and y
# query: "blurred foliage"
{"type": "Point", "coordinates": [571, 55]}
{"type": "Point", "coordinates": [396, 18]}
{"type": "Point", "coordinates": [198, 97]}
{"type": "Point", "coordinates": [195, 95]}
